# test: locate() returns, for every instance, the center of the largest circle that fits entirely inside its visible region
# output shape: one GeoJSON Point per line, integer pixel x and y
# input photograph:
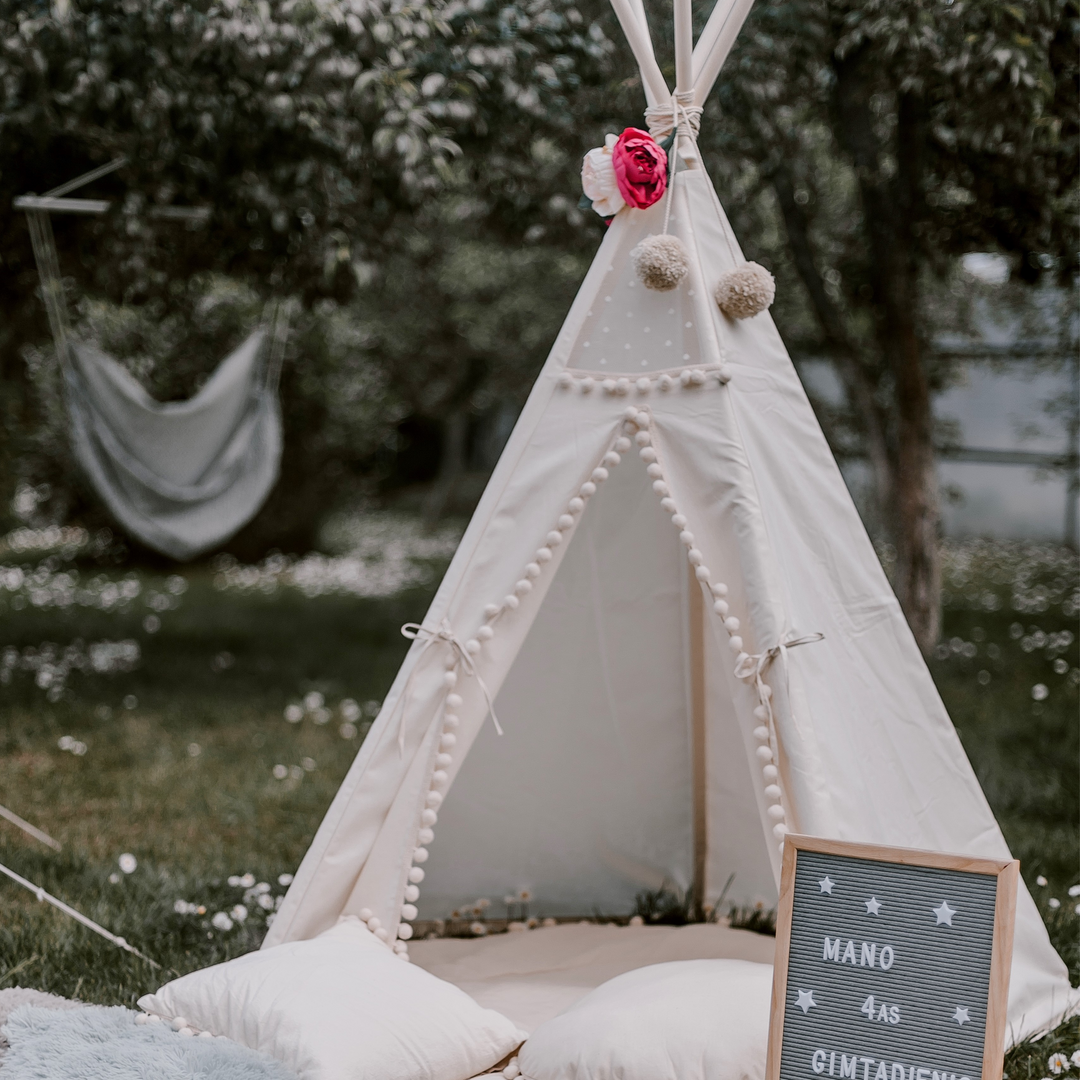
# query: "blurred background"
{"type": "Point", "coordinates": [405, 177]}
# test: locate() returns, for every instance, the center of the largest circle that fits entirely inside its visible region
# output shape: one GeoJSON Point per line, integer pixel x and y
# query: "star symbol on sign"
{"type": "Point", "coordinates": [944, 914]}
{"type": "Point", "coordinates": [961, 1016]}
{"type": "Point", "coordinates": [806, 1000]}
{"type": "Point", "coordinates": [827, 884]}
{"type": "Point", "coordinates": [873, 905]}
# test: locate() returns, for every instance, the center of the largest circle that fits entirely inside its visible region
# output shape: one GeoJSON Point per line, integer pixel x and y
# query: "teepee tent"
{"type": "Point", "coordinates": [665, 639]}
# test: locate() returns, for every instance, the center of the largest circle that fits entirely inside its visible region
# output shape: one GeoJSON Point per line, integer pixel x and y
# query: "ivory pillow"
{"type": "Point", "coordinates": [341, 1007]}
{"type": "Point", "coordinates": [686, 1020]}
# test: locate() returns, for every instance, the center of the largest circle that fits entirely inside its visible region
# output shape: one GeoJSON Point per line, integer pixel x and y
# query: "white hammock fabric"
{"type": "Point", "coordinates": [181, 477]}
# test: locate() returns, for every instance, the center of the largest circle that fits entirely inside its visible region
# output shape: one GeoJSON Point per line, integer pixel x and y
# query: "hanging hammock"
{"type": "Point", "coordinates": [182, 477]}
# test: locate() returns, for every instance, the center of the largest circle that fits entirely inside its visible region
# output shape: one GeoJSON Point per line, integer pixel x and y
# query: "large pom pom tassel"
{"type": "Point", "coordinates": [661, 262]}
{"type": "Point", "coordinates": [745, 291]}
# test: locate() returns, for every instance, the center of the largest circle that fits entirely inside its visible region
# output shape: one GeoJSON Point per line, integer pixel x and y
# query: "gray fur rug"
{"type": "Point", "coordinates": [59, 1040]}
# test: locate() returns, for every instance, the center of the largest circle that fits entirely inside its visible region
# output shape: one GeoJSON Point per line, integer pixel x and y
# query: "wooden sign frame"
{"type": "Point", "coordinates": [1007, 872]}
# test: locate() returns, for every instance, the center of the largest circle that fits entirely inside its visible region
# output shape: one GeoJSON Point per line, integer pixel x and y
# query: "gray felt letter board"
{"type": "Point", "coordinates": [891, 964]}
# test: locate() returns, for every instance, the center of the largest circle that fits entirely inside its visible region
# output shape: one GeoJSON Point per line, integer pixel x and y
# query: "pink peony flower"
{"type": "Point", "coordinates": [640, 165]}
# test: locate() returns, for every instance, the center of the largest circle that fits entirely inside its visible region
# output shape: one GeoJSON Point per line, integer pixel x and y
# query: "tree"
{"type": "Point", "coordinates": [892, 137]}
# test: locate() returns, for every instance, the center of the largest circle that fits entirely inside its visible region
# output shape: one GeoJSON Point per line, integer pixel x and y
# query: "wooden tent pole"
{"type": "Point", "coordinates": [717, 17]}
{"type": "Point", "coordinates": [639, 43]}
{"type": "Point", "coordinates": [639, 11]}
{"type": "Point", "coordinates": [713, 60]}
{"type": "Point", "coordinates": [684, 46]}
{"type": "Point", "coordinates": [698, 743]}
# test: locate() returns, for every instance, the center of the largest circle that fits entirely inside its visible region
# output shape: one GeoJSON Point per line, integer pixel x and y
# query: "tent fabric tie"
{"type": "Point", "coordinates": [42, 895]}
{"type": "Point", "coordinates": [754, 665]}
{"type": "Point", "coordinates": [444, 633]}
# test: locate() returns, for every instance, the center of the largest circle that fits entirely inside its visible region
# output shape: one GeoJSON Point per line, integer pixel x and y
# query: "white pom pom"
{"type": "Point", "coordinates": [702, 573]}
{"type": "Point", "coordinates": [764, 753]}
{"type": "Point", "coordinates": [532, 570]}
{"type": "Point", "coordinates": [776, 812]}
{"type": "Point", "coordinates": [566, 521]}
{"type": "Point", "coordinates": [453, 700]}
{"type": "Point", "coordinates": [404, 931]}
{"type": "Point", "coordinates": [576, 505]}
{"type": "Point", "coordinates": [587, 384]}
{"type": "Point", "coordinates": [491, 610]}
{"type": "Point", "coordinates": [600, 474]}
{"type": "Point", "coordinates": [412, 893]}
{"type": "Point", "coordinates": [770, 773]}
{"type": "Point", "coordinates": [449, 679]}
{"type": "Point", "coordinates": [472, 646]}
{"type": "Point", "coordinates": [622, 387]}
{"type": "Point", "coordinates": [745, 291]}
{"type": "Point", "coordinates": [736, 643]}
{"type": "Point", "coordinates": [668, 505]}
{"type": "Point", "coordinates": [382, 934]}
{"type": "Point", "coordinates": [373, 924]}
{"type": "Point", "coordinates": [554, 539]}
{"type": "Point", "coordinates": [761, 734]}
{"type": "Point", "coordinates": [761, 713]}
{"type": "Point", "coordinates": [695, 557]}
{"type": "Point", "coordinates": [429, 817]}
{"type": "Point", "coordinates": [622, 444]}
{"type": "Point", "coordinates": [666, 382]}
{"type": "Point", "coordinates": [433, 799]}
{"type": "Point", "coordinates": [630, 413]}
{"type": "Point", "coordinates": [416, 875]}
{"type": "Point", "coordinates": [779, 831]}
{"type": "Point", "coordinates": [420, 855]}
{"type": "Point", "coordinates": [643, 385]}
{"type": "Point", "coordinates": [587, 489]}
{"type": "Point", "coordinates": [661, 488]}
{"type": "Point", "coordinates": [720, 607]}
{"type": "Point", "coordinates": [643, 438]}
{"type": "Point", "coordinates": [719, 589]}
{"type": "Point", "coordinates": [485, 633]}
{"type": "Point", "coordinates": [732, 624]}
{"type": "Point", "coordinates": [773, 792]}
{"type": "Point", "coordinates": [647, 454]}
{"type": "Point", "coordinates": [661, 262]}
{"type": "Point", "coordinates": [425, 836]}
{"type": "Point", "coordinates": [511, 601]}
{"type": "Point", "coordinates": [566, 380]}
{"type": "Point", "coordinates": [408, 912]}
{"type": "Point", "coordinates": [611, 459]}
{"type": "Point", "coordinates": [366, 913]}
{"type": "Point", "coordinates": [439, 778]}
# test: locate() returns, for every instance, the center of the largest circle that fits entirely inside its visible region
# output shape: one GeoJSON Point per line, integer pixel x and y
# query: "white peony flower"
{"type": "Point", "coordinates": [598, 179]}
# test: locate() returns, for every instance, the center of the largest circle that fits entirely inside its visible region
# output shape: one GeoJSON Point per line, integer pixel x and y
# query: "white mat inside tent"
{"type": "Point", "coordinates": [532, 976]}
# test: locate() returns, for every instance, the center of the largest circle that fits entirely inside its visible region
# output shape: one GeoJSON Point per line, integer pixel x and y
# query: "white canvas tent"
{"type": "Point", "coordinates": [666, 478]}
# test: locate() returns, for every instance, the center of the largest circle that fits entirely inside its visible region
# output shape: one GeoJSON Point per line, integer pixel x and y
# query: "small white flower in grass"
{"type": "Point", "coordinates": [114, 879]}
{"type": "Point", "coordinates": [1076, 1058]}
{"type": "Point", "coordinates": [239, 913]}
{"type": "Point", "coordinates": [1040, 692]}
{"type": "Point", "coordinates": [280, 772]}
{"type": "Point", "coordinates": [247, 880]}
{"type": "Point", "coordinates": [285, 879]}
{"type": "Point", "coordinates": [128, 862]}
{"type": "Point", "coordinates": [350, 711]}
{"type": "Point", "coordinates": [313, 701]}
{"type": "Point", "coordinates": [308, 764]}
{"type": "Point", "coordinates": [1053, 903]}
{"type": "Point", "coordinates": [221, 921]}
{"type": "Point", "coordinates": [261, 887]}
{"type": "Point", "coordinates": [234, 880]}
{"type": "Point", "coordinates": [296, 772]}
{"type": "Point", "coordinates": [478, 929]}
{"type": "Point", "coordinates": [194, 749]}
{"type": "Point", "coordinates": [1040, 880]}
{"type": "Point", "coordinates": [347, 731]}
{"type": "Point", "coordinates": [294, 714]}
{"type": "Point", "coordinates": [1074, 890]}
{"type": "Point", "coordinates": [1057, 1063]}
{"type": "Point", "coordinates": [266, 902]}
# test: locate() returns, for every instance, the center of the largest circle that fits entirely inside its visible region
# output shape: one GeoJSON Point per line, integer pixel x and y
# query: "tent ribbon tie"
{"type": "Point", "coordinates": [461, 656]}
{"type": "Point", "coordinates": [754, 666]}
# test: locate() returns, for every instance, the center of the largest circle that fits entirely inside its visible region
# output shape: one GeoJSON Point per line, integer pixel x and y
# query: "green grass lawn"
{"type": "Point", "coordinates": [174, 760]}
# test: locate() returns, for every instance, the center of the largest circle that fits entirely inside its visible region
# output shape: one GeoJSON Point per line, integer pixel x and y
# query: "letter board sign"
{"type": "Point", "coordinates": [891, 964]}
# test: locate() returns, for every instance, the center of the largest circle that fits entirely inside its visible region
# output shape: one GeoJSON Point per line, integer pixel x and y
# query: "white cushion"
{"type": "Point", "coordinates": [686, 1020]}
{"type": "Point", "coordinates": [341, 1007]}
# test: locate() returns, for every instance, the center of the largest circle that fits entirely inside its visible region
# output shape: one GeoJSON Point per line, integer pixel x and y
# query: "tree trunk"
{"type": "Point", "coordinates": [451, 466]}
{"type": "Point", "coordinates": [890, 194]}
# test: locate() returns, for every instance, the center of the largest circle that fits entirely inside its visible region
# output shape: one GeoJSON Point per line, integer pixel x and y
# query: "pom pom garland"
{"type": "Point", "coordinates": [661, 262]}
{"type": "Point", "coordinates": [412, 893]}
{"type": "Point", "coordinates": [416, 875]}
{"type": "Point", "coordinates": [745, 291]}
{"type": "Point", "coordinates": [409, 912]}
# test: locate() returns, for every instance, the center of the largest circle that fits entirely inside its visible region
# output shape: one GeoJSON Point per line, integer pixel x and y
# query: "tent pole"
{"type": "Point", "coordinates": [699, 772]}
{"type": "Point", "coordinates": [639, 10]}
{"type": "Point", "coordinates": [707, 39]}
{"type": "Point", "coordinates": [642, 49]}
{"type": "Point", "coordinates": [684, 47]}
{"type": "Point", "coordinates": [723, 39]}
